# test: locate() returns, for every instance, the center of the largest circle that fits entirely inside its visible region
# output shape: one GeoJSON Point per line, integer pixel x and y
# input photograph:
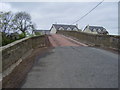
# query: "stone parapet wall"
{"type": "Point", "coordinates": [108, 41]}
{"type": "Point", "coordinates": [11, 53]}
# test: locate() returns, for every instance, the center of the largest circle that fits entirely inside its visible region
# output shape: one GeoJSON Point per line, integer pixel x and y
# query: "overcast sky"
{"type": "Point", "coordinates": [44, 14]}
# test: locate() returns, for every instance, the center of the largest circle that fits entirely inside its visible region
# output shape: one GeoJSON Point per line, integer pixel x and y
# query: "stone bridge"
{"type": "Point", "coordinates": [67, 59]}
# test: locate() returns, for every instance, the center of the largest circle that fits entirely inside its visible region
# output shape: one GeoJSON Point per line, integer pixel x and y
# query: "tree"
{"type": "Point", "coordinates": [6, 22]}
{"type": "Point", "coordinates": [22, 22]}
{"type": "Point", "coordinates": [11, 25]}
{"type": "Point", "coordinates": [33, 27]}
{"type": "Point", "coordinates": [37, 33]}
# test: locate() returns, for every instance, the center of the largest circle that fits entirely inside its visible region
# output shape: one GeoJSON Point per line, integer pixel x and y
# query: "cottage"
{"type": "Point", "coordinates": [95, 30]}
{"type": "Point", "coordinates": [56, 27]}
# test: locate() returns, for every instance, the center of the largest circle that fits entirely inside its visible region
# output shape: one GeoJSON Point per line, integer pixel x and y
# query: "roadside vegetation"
{"type": "Point", "coordinates": [37, 33]}
{"type": "Point", "coordinates": [15, 26]}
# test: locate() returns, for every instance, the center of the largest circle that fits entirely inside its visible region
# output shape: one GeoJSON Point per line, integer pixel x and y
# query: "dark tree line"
{"type": "Point", "coordinates": [19, 23]}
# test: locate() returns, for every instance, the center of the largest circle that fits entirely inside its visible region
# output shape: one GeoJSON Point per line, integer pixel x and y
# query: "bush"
{"type": "Point", "coordinates": [22, 35]}
{"type": "Point", "coordinates": [6, 40]}
{"type": "Point", "coordinates": [37, 33]}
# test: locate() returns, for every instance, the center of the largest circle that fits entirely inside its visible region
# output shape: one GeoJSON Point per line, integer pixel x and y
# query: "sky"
{"type": "Point", "coordinates": [44, 14]}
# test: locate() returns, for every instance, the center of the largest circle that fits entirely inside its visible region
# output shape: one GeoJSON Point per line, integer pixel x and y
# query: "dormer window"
{"type": "Point", "coordinates": [75, 29]}
{"type": "Point", "coordinates": [99, 30]}
{"type": "Point", "coordinates": [104, 29]}
{"type": "Point", "coordinates": [94, 30]}
{"type": "Point", "coordinates": [69, 29]}
{"type": "Point", "coordinates": [61, 28]}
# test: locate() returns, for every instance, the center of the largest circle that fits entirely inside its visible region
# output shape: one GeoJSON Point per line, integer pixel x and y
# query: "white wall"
{"type": "Point", "coordinates": [53, 30]}
{"type": "Point", "coordinates": [89, 31]}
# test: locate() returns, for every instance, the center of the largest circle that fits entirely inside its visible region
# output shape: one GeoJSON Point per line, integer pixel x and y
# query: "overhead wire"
{"type": "Point", "coordinates": [88, 12]}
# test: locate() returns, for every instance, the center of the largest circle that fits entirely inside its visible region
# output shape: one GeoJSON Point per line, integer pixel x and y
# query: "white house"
{"type": "Point", "coordinates": [95, 30]}
{"type": "Point", "coordinates": [56, 27]}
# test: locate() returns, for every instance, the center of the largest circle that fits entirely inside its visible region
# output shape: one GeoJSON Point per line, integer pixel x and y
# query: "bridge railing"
{"type": "Point", "coordinates": [109, 41]}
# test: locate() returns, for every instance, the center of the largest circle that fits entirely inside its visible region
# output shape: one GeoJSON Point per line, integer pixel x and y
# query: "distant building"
{"type": "Point", "coordinates": [56, 27]}
{"type": "Point", "coordinates": [95, 30]}
{"type": "Point", "coordinates": [42, 32]}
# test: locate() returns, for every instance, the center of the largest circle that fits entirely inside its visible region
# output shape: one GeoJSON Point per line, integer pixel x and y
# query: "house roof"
{"type": "Point", "coordinates": [96, 27]}
{"type": "Point", "coordinates": [99, 29]}
{"type": "Point", "coordinates": [57, 26]}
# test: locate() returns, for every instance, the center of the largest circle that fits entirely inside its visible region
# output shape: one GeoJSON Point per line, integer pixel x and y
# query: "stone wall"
{"type": "Point", "coordinates": [108, 41]}
{"type": "Point", "coordinates": [11, 53]}
{"type": "Point", "coordinates": [18, 58]}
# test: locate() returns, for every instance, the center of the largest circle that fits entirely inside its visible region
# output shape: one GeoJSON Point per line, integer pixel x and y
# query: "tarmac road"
{"type": "Point", "coordinates": [74, 66]}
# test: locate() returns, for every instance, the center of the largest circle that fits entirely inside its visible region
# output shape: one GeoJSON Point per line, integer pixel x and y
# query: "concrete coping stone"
{"type": "Point", "coordinates": [16, 42]}
{"type": "Point", "coordinates": [13, 43]}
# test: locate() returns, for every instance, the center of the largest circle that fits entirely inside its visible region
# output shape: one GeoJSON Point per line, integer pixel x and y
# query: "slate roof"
{"type": "Point", "coordinates": [96, 27]}
{"type": "Point", "coordinates": [57, 26]}
{"type": "Point", "coordinates": [102, 29]}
